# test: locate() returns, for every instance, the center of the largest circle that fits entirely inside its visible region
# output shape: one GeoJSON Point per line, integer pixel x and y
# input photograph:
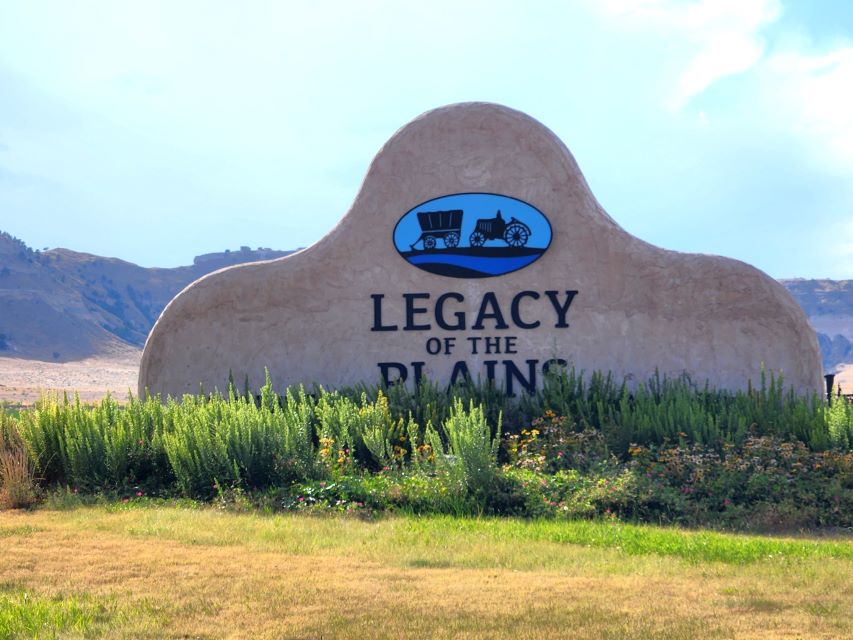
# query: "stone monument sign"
{"type": "Point", "coordinates": [475, 248]}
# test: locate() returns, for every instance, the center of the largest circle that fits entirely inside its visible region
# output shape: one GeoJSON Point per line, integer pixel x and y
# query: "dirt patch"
{"type": "Point", "coordinates": [24, 381]}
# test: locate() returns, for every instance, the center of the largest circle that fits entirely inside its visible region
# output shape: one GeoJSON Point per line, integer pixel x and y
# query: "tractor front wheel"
{"type": "Point", "coordinates": [477, 239]}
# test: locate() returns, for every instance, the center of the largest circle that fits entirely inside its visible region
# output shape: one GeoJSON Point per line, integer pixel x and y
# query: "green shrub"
{"type": "Point", "coordinates": [97, 447]}
{"type": "Point", "coordinates": [472, 449]}
{"type": "Point", "coordinates": [839, 420]}
{"type": "Point", "coordinates": [297, 457]}
{"type": "Point", "coordinates": [766, 482]}
{"type": "Point", "coordinates": [233, 442]}
{"type": "Point", "coordinates": [378, 433]}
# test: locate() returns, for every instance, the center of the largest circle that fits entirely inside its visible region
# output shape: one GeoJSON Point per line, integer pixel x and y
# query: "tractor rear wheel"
{"type": "Point", "coordinates": [516, 235]}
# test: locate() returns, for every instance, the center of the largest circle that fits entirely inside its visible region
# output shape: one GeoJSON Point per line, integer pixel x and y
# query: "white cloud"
{"type": "Point", "coordinates": [814, 94]}
{"type": "Point", "coordinates": [796, 89]}
{"type": "Point", "coordinates": [713, 38]}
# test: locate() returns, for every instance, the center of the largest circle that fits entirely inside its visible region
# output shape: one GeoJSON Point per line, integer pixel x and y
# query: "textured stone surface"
{"type": "Point", "coordinates": [308, 317]}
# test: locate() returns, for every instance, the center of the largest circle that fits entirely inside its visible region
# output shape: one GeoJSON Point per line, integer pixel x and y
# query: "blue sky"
{"type": "Point", "coordinates": [157, 131]}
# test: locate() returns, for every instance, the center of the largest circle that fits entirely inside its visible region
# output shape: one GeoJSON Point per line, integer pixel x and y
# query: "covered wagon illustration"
{"type": "Point", "coordinates": [515, 233]}
{"type": "Point", "coordinates": [435, 225]}
{"type": "Point", "coordinates": [472, 235]}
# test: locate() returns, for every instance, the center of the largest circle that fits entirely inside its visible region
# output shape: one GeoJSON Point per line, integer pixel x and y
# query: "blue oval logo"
{"type": "Point", "coordinates": [472, 235]}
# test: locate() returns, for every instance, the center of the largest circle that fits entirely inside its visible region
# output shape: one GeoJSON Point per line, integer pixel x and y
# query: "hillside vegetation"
{"type": "Point", "coordinates": [62, 305]}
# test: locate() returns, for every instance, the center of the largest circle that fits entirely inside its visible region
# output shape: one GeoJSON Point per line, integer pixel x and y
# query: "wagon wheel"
{"type": "Point", "coordinates": [516, 235]}
{"type": "Point", "coordinates": [451, 239]}
{"type": "Point", "coordinates": [477, 239]}
{"type": "Point", "coordinates": [429, 242]}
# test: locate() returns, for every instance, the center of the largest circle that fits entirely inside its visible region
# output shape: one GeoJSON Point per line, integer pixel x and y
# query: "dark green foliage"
{"type": "Point", "coordinates": [766, 482]}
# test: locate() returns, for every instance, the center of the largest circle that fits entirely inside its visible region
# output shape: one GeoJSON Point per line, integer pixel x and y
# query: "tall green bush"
{"type": "Point", "coordinates": [95, 447]}
{"type": "Point", "coordinates": [839, 420]}
{"type": "Point", "coordinates": [472, 448]}
{"type": "Point", "coordinates": [233, 441]}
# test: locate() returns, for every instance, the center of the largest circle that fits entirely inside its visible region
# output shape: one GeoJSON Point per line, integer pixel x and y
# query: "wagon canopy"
{"type": "Point", "coordinates": [440, 220]}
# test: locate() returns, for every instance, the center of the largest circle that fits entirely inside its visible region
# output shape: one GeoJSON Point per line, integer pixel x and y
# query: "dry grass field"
{"type": "Point", "coordinates": [22, 382]}
{"type": "Point", "coordinates": [120, 571]}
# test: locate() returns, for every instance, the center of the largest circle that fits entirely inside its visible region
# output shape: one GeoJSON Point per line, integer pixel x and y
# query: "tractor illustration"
{"type": "Point", "coordinates": [435, 225]}
{"type": "Point", "coordinates": [514, 232]}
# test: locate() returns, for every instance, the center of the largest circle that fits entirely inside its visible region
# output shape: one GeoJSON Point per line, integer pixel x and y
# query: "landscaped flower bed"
{"type": "Point", "coordinates": [579, 448]}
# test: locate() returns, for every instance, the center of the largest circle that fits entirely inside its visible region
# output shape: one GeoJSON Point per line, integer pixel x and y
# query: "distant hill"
{"type": "Point", "coordinates": [64, 305]}
{"type": "Point", "coordinates": [829, 306]}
